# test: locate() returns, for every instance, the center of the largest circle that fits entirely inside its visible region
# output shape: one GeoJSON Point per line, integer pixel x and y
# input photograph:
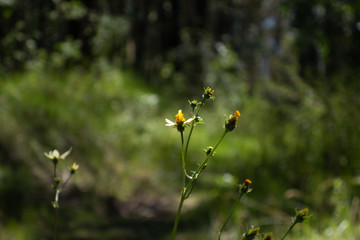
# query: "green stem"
{"type": "Point", "coordinates": [196, 114]}
{"type": "Point", "coordinates": [196, 174]}
{"type": "Point", "coordinates": [230, 214]}
{"type": "Point", "coordinates": [55, 171]}
{"type": "Point", "coordinates": [56, 202]}
{"type": "Point", "coordinates": [222, 137]}
{"type": "Point", "coordinates": [55, 224]}
{"type": "Point", "coordinates": [290, 228]}
{"type": "Point", "coordinates": [183, 160]}
{"type": "Point", "coordinates": [67, 180]}
{"type": "Point", "coordinates": [177, 217]}
{"type": "Point", "coordinates": [184, 190]}
{"type": "Point", "coordinates": [200, 168]}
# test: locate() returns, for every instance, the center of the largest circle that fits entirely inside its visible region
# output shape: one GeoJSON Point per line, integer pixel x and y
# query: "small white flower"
{"type": "Point", "coordinates": [56, 155]}
{"type": "Point", "coordinates": [180, 121]}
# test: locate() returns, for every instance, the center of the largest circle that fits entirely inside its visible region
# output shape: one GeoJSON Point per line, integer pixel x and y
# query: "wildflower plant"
{"type": "Point", "coordinates": [244, 189]}
{"type": "Point", "coordinates": [58, 186]}
{"type": "Point", "coordinates": [189, 180]}
{"type": "Point", "coordinates": [300, 216]}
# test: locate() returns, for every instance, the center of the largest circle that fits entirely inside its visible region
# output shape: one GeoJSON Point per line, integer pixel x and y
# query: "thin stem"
{"type": "Point", "coordinates": [55, 224]}
{"type": "Point", "coordinates": [183, 164]}
{"type": "Point", "coordinates": [56, 203]}
{"type": "Point", "coordinates": [182, 156]}
{"type": "Point", "coordinates": [177, 217]}
{"type": "Point", "coordinates": [183, 160]}
{"type": "Point", "coordinates": [55, 171]}
{"type": "Point", "coordinates": [220, 140]}
{"type": "Point", "coordinates": [230, 214]}
{"type": "Point", "coordinates": [196, 114]}
{"type": "Point", "coordinates": [290, 228]}
{"type": "Point", "coordinates": [209, 155]}
{"type": "Point", "coordinates": [67, 180]}
{"type": "Point", "coordinates": [196, 174]}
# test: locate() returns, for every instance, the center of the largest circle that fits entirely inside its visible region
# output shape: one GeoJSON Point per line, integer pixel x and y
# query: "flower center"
{"type": "Point", "coordinates": [180, 118]}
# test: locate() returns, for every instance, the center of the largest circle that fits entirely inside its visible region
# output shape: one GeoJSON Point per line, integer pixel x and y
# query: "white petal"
{"type": "Point", "coordinates": [65, 154]}
{"type": "Point", "coordinates": [55, 153]}
{"type": "Point", "coordinates": [169, 122]}
{"type": "Point", "coordinates": [189, 120]}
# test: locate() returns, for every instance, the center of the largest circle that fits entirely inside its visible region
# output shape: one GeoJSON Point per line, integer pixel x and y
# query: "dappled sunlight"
{"type": "Point", "coordinates": [111, 92]}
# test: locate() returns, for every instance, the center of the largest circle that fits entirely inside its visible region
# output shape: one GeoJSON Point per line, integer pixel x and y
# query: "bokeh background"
{"type": "Point", "coordinates": [101, 77]}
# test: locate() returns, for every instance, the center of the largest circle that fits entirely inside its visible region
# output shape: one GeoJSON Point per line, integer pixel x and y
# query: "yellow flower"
{"type": "Point", "coordinates": [209, 91]}
{"type": "Point", "coordinates": [180, 118]}
{"type": "Point", "coordinates": [236, 114]}
{"type": "Point", "coordinates": [247, 182]}
{"type": "Point", "coordinates": [74, 168]}
{"type": "Point", "coordinates": [180, 121]}
{"type": "Point", "coordinates": [231, 122]}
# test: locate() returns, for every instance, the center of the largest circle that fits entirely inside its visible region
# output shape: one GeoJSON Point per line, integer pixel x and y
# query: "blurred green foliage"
{"type": "Point", "coordinates": [296, 156]}
{"type": "Point", "coordinates": [101, 76]}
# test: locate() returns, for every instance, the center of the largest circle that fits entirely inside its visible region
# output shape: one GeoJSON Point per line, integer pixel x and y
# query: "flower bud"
{"type": "Point", "coordinates": [231, 122]}
{"type": "Point", "coordinates": [251, 234]}
{"type": "Point", "coordinates": [193, 104]}
{"type": "Point", "coordinates": [301, 215]}
{"type": "Point", "coordinates": [245, 186]}
{"type": "Point", "coordinates": [209, 151]}
{"type": "Point", "coordinates": [58, 181]}
{"type": "Point", "coordinates": [208, 93]}
{"type": "Point", "coordinates": [55, 204]}
{"type": "Point", "coordinates": [74, 168]}
{"type": "Point", "coordinates": [268, 236]}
